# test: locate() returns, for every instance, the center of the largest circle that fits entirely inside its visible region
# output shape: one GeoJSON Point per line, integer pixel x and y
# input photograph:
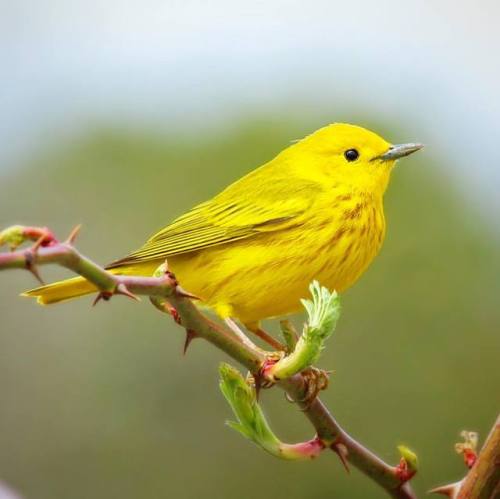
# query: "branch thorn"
{"type": "Point", "coordinates": [121, 289]}
{"type": "Point", "coordinates": [261, 382]}
{"type": "Point", "coordinates": [190, 336]}
{"type": "Point", "coordinates": [38, 243]}
{"type": "Point", "coordinates": [185, 294]}
{"type": "Point", "coordinates": [450, 490]}
{"type": "Point", "coordinates": [38, 277]}
{"type": "Point", "coordinates": [73, 234]}
{"type": "Point", "coordinates": [102, 295]}
{"type": "Point", "coordinates": [29, 257]}
{"type": "Point", "coordinates": [341, 450]}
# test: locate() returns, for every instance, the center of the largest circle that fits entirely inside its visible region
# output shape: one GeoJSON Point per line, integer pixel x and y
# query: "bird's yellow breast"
{"type": "Point", "coordinates": [333, 242]}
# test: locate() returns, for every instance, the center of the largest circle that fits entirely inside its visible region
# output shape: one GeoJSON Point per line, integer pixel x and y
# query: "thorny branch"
{"type": "Point", "coordinates": [483, 478]}
{"type": "Point", "coordinates": [329, 434]}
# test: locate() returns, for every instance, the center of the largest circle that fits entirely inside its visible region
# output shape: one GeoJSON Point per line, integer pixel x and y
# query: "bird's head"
{"type": "Point", "coordinates": [350, 155]}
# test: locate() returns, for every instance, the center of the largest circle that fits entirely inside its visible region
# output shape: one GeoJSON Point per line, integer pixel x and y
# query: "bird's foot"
{"type": "Point", "coordinates": [267, 338]}
{"type": "Point", "coordinates": [315, 380]}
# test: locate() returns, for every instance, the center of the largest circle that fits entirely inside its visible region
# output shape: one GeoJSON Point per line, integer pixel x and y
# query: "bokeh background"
{"type": "Point", "coordinates": [121, 115]}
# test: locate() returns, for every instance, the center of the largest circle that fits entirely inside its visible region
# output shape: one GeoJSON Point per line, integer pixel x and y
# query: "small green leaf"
{"type": "Point", "coordinates": [323, 312]}
{"type": "Point", "coordinates": [12, 236]}
{"type": "Point", "coordinates": [410, 457]}
{"type": "Point", "coordinates": [251, 422]}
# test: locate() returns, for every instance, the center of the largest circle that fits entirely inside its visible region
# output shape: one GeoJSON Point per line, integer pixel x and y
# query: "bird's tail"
{"type": "Point", "coordinates": [61, 291]}
{"type": "Point", "coordinates": [79, 286]}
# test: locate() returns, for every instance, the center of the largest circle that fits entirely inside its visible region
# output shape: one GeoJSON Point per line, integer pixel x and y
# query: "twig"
{"type": "Point", "coordinates": [328, 430]}
{"type": "Point", "coordinates": [483, 479]}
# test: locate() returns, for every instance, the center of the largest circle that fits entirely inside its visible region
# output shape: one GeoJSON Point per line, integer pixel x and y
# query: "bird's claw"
{"type": "Point", "coordinates": [315, 380]}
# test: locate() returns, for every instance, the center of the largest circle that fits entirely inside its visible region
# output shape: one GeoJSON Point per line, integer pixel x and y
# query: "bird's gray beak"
{"type": "Point", "coordinates": [400, 151]}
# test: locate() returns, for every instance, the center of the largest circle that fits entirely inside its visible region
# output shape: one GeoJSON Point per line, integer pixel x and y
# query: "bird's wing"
{"type": "Point", "coordinates": [219, 221]}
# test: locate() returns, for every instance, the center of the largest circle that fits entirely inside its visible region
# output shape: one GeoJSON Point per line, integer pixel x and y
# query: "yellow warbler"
{"type": "Point", "coordinates": [313, 212]}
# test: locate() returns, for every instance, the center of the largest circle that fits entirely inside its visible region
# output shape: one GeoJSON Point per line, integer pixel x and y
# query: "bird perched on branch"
{"type": "Point", "coordinates": [315, 211]}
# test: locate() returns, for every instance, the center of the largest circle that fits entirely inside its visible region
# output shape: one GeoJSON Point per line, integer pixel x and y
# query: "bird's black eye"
{"type": "Point", "coordinates": [351, 155]}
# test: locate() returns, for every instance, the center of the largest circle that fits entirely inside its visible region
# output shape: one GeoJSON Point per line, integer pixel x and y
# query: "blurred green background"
{"type": "Point", "coordinates": [122, 115]}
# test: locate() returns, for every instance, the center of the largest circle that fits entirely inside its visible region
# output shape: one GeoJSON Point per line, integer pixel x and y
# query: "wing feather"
{"type": "Point", "coordinates": [229, 217]}
{"type": "Point", "coordinates": [201, 229]}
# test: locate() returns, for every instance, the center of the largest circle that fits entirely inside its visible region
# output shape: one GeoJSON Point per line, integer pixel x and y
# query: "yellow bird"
{"type": "Point", "coordinates": [315, 211]}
